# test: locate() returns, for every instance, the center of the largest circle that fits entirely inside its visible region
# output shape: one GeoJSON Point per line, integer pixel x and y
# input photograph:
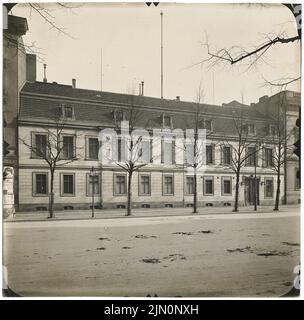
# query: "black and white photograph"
{"type": "Point", "coordinates": [151, 150]}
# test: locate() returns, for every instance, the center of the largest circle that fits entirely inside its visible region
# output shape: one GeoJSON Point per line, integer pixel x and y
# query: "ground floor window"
{"type": "Point", "coordinates": [268, 187]}
{"type": "Point", "coordinates": [120, 184]}
{"type": "Point", "coordinates": [144, 185]}
{"type": "Point", "coordinates": [67, 184]}
{"type": "Point", "coordinates": [93, 184]}
{"type": "Point", "coordinates": [226, 186]}
{"type": "Point", "coordinates": [189, 185]}
{"type": "Point", "coordinates": [208, 186]}
{"type": "Point", "coordinates": [168, 188]}
{"type": "Point", "coordinates": [40, 184]}
{"type": "Point", "coordinates": [297, 179]}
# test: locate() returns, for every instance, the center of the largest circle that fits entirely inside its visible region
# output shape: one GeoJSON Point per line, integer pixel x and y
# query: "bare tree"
{"type": "Point", "coordinates": [238, 153]}
{"type": "Point", "coordinates": [53, 152]}
{"type": "Point", "coordinates": [236, 54]}
{"type": "Point", "coordinates": [192, 147]}
{"type": "Point", "coordinates": [131, 151]}
{"type": "Point", "coordinates": [282, 152]}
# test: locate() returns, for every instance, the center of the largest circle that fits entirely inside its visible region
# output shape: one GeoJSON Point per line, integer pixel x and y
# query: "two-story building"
{"type": "Point", "coordinates": [162, 183]}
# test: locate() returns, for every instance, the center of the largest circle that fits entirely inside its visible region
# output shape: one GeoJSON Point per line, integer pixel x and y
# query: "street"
{"type": "Point", "coordinates": [248, 254]}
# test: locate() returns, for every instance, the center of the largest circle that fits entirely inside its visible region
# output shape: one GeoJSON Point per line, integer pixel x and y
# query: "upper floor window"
{"type": "Point", "coordinates": [251, 156]}
{"type": "Point", "coordinates": [210, 154]}
{"type": "Point", "coordinates": [226, 155]}
{"type": "Point", "coordinates": [93, 148]}
{"type": "Point", "coordinates": [268, 157]}
{"type": "Point", "coordinates": [39, 145]}
{"type": "Point", "coordinates": [68, 148]}
{"type": "Point", "coordinates": [168, 150]}
{"type": "Point", "coordinates": [67, 111]}
{"type": "Point", "coordinates": [250, 128]}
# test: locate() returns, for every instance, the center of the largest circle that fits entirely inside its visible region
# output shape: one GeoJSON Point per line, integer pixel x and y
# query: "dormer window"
{"type": "Point", "coordinates": [208, 125]}
{"type": "Point", "coordinates": [67, 111]}
{"type": "Point", "coordinates": [250, 128]}
{"type": "Point", "coordinates": [272, 130]}
{"type": "Point", "coordinates": [167, 121]}
{"type": "Point", "coordinates": [119, 115]}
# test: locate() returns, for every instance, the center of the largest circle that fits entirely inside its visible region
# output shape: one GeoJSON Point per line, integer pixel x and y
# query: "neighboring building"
{"type": "Point", "coordinates": [15, 74]}
{"type": "Point", "coordinates": [286, 105]}
{"type": "Point", "coordinates": [158, 184]}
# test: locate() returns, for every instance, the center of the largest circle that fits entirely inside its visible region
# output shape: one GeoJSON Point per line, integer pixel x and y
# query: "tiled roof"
{"type": "Point", "coordinates": [41, 100]}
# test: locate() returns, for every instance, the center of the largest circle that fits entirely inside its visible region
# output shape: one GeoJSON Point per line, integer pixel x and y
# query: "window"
{"type": "Point", "coordinates": [67, 111]}
{"type": "Point", "coordinates": [208, 125]}
{"type": "Point", "coordinates": [250, 128]}
{"type": "Point", "coordinates": [268, 157]}
{"type": "Point", "coordinates": [168, 151]}
{"type": "Point", "coordinates": [120, 186]}
{"type": "Point", "coordinates": [93, 184]}
{"type": "Point", "coordinates": [167, 121]}
{"type": "Point", "coordinates": [272, 130]}
{"type": "Point", "coordinates": [268, 188]}
{"type": "Point", "coordinates": [119, 115]}
{"type": "Point", "coordinates": [40, 141]}
{"type": "Point", "coordinates": [68, 147]}
{"type": "Point", "coordinates": [122, 147]}
{"type": "Point", "coordinates": [251, 156]}
{"type": "Point", "coordinates": [168, 185]}
{"type": "Point", "coordinates": [226, 186]}
{"type": "Point", "coordinates": [208, 186]}
{"type": "Point", "coordinates": [297, 179]}
{"type": "Point", "coordinates": [144, 185]}
{"type": "Point", "coordinates": [189, 185]}
{"type": "Point", "coordinates": [226, 155]}
{"type": "Point", "coordinates": [68, 184]}
{"type": "Point", "coordinates": [145, 151]}
{"type": "Point", "coordinates": [93, 148]}
{"type": "Point", "coordinates": [209, 154]}
{"type": "Point", "coordinates": [40, 184]}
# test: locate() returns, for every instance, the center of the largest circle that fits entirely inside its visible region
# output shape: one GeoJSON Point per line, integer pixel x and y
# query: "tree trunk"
{"type": "Point", "coordinates": [236, 198]}
{"type": "Point", "coordinates": [195, 192]}
{"type": "Point", "coordinates": [51, 206]}
{"type": "Point", "coordinates": [129, 204]}
{"type": "Point", "coordinates": [277, 199]}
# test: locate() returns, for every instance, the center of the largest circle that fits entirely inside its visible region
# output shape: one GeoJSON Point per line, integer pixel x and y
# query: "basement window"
{"type": "Point", "coordinates": [168, 205]}
{"type": "Point", "coordinates": [145, 205]}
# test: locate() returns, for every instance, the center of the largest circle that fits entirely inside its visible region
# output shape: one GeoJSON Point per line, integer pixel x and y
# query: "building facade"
{"type": "Point", "coordinates": [165, 180]}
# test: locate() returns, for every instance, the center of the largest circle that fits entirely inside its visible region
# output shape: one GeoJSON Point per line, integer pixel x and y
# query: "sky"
{"type": "Point", "coordinates": [129, 35]}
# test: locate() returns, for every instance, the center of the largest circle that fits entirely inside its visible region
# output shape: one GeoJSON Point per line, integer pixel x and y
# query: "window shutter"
{"type": "Point", "coordinates": [221, 151]}
{"type": "Point", "coordinates": [162, 150]}
{"type": "Point", "coordinates": [213, 153]}
{"type": "Point", "coordinates": [33, 153]}
{"type": "Point", "coordinates": [263, 157]}
{"type": "Point", "coordinates": [173, 150]}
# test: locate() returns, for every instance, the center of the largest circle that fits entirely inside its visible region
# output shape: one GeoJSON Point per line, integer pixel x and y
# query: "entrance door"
{"type": "Point", "coordinates": [250, 191]}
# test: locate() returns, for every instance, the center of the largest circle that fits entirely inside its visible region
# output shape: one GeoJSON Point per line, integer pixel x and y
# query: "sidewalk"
{"type": "Point", "coordinates": [151, 212]}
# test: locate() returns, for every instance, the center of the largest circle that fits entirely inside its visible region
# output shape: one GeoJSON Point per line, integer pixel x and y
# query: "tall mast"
{"type": "Point", "coordinates": [161, 57]}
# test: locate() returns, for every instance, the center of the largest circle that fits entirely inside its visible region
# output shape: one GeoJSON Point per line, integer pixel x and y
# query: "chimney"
{"type": "Point", "coordinates": [73, 83]}
{"type": "Point", "coordinates": [142, 88]}
{"type": "Point", "coordinates": [177, 98]}
{"type": "Point", "coordinates": [30, 67]}
{"type": "Point", "coordinates": [139, 89]}
{"type": "Point", "coordinates": [44, 78]}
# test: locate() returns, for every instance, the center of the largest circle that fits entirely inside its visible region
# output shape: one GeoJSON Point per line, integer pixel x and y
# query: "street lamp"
{"type": "Point", "coordinates": [92, 175]}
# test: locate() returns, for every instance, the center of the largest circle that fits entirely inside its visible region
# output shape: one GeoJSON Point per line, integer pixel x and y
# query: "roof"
{"type": "Point", "coordinates": [97, 98]}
